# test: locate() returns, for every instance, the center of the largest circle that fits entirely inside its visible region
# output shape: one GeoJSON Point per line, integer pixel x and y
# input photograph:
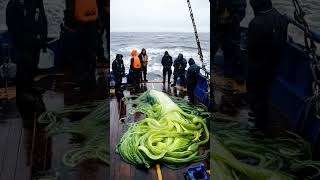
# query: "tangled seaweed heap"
{"type": "Point", "coordinates": [168, 135]}
{"type": "Point", "coordinates": [92, 130]}
{"type": "Point", "coordinates": [238, 154]}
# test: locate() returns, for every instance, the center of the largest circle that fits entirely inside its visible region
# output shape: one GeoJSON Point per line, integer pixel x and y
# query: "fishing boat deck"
{"type": "Point", "coordinates": [232, 106]}
{"type": "Point", "coordinates": [16, 141]}
{"type": "Point", "coordinates": [87, 170]}
{"type": "Point", "coordinates": [122, 170]}
{"type": "Point", "coordinates": [13, 155]}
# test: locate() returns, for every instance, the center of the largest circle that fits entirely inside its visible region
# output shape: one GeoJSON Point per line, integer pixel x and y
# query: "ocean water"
{"type": "Point", "coordinates": [311, 7]}
{"type": "Point", "coordinates": [156, 44]}
{"type": "Point", "coordinates": [54, 12]}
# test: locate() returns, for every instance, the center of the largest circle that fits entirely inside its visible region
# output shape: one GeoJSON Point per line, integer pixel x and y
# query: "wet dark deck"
{"type": "Point", "coordinates": [13, 154]}
{"type": "Point", "coordinates": [122, 170]}
{"type": "Point", "coordinates": [232, 105]}
{"type": "Point", "coordinates": [229, 96]}
{"type": "Point", "coordinates": [89, 170]}
{"type": "Point", "coordinates": [16, 141]}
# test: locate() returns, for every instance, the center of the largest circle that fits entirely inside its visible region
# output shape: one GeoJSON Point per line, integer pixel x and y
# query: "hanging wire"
{"type": "Point", "coordinates": [311, 49]}
{"type": "Point", "coordinates": [198, 40]}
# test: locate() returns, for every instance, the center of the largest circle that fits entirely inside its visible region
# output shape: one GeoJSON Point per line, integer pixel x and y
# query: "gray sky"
{"type": "Point", "coordinates": [158, 15]}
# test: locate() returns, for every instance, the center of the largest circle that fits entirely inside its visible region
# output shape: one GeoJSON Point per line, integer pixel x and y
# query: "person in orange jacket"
{"type": "Point", "coordinates": [135, 68]}
{"type": "Point", "coordinates": [79, 42]}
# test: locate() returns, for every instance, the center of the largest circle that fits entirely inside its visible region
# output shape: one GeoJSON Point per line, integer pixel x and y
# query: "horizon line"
{"type": "Point", "coordinates": [157, 32]}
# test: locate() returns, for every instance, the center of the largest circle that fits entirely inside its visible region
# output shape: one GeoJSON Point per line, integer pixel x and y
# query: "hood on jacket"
{"type": "Point", "coordinates": [166, 53]}
{"type": "Point", "coordinates": [143, 50]}
{"type": "Point", "coordinates": [180, 56]}
{"type": "Point", "coordinates": [134, 53]}
{"type": "Point", "coordinates": [119, 56]}
{"type": "Point", "coordinates": [259, 6]}
{"type": "Point", "coordinates": [191, 62]}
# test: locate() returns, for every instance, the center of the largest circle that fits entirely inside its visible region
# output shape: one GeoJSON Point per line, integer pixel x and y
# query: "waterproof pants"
{"type": "Point", "coordinates": [179, 74]}
{"type": "Point", "coordinates": [167, 70]}
{"type": "Point", "coordinates": [84, 60]}
{"type": "Point", "coordinates": [118, 83]}
{"type": "Point", "coordinates": [136, 77]}
{"type": "Point", "coordinates": [144, 72]}
{"type": "Point", "coordinates": [190, 88]}
{"type": "Point", "coordinates": [227, 37]}
{"type": "Point", "coordinates": [27, 59]}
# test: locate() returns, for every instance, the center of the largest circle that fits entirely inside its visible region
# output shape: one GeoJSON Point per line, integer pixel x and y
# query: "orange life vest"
{"type": "Point", "coordinates": [136, 62]}
{"type": "Point", "coordinates": [85, 10]}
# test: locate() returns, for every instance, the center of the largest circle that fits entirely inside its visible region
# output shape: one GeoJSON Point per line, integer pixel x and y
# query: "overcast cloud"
{"type": "Point", "coordinates": [158, 15]}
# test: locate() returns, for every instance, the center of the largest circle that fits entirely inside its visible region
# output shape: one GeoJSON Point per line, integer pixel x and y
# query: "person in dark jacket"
{"type": "Point", "coordinates": [192, 76]}
{"type": "Point", "coordinates": [118, 70]}
{"type": "Point", "coordinates": [266, 40]}
{"type": "Point", "coordinates": [79, 43]}
{"type": "Point", "coordinates": [179, 65]}
{"type": "Point", "coordinates": [28, 30]}
{"type": "Point", "coordinates": [166, 63]}
{"type": "Point", "coordinates": [144, 63]}
{"type": "Point", "coordinates": [225, 33]}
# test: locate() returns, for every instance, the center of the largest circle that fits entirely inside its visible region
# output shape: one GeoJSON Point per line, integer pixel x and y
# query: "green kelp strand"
{"type": "Point", "coordinates": [93, 129]}
{"type": "Point", "coordinates": [169, 135]}
{"type": "Point", "coordinates": [251, 157]}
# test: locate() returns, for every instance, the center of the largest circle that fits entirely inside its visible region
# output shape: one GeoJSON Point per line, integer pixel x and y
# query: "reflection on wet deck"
{"type": "Point", "coordinates": [230, 100]}
{"type": "Point", "coordinates": [17, 162]}
{"type": "Point", "coordinates": [13, 153]}
{"type": "Point", "coordinates": [123, 170]}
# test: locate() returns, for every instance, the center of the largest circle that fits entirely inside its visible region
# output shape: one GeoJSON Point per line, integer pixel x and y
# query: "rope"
{"type": "Point", "coordinates": [198, 40]}
{"type": "Point", "coordinates": [311, 50]}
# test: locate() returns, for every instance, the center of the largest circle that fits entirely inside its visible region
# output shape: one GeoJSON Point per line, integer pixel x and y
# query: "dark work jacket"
{"type": "Point", "coordinates": [266, 40]}
{"type": "Point", "coordinates": [27, 22]}
{"type": "Point", "coordinates": [180, 64]}
{"type": "Point", "coordinates": [118, 68]}
{"type": "Point", "coordinates": [141, 60]}
{"type": "Point", "coordinates": [167, 61]}
{"type": "Point", "coordinates": [193, 74]}
{"type": "Point", "coordinates": [236, 8]}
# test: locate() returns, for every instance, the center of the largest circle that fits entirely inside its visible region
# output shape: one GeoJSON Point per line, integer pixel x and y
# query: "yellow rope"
{"type": "Point", "coordinates": [159, 171]}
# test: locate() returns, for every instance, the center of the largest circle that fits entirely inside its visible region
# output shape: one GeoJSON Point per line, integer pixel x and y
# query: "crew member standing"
{"type": "Point", "coordinates": [28, 30]}
{"type": "Point", "coordinates": [135, 68]}
{"type": "Point", "coordinates": [82, 42]}
{"type": "Point", "coordinates": [179, 65]}
{"type": "Point", "coordinates": [266, 40]}
{"type": "Point", "coordinates": [118, 70]}
{"type": "Point", "coordinates": [227, 15]}
{"type": "Point", "coordinates": [167, 64]}
{"type": "Point", "coordinates": [192, 76]}
{"type": "Point", "coordinates": [144, 63]}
